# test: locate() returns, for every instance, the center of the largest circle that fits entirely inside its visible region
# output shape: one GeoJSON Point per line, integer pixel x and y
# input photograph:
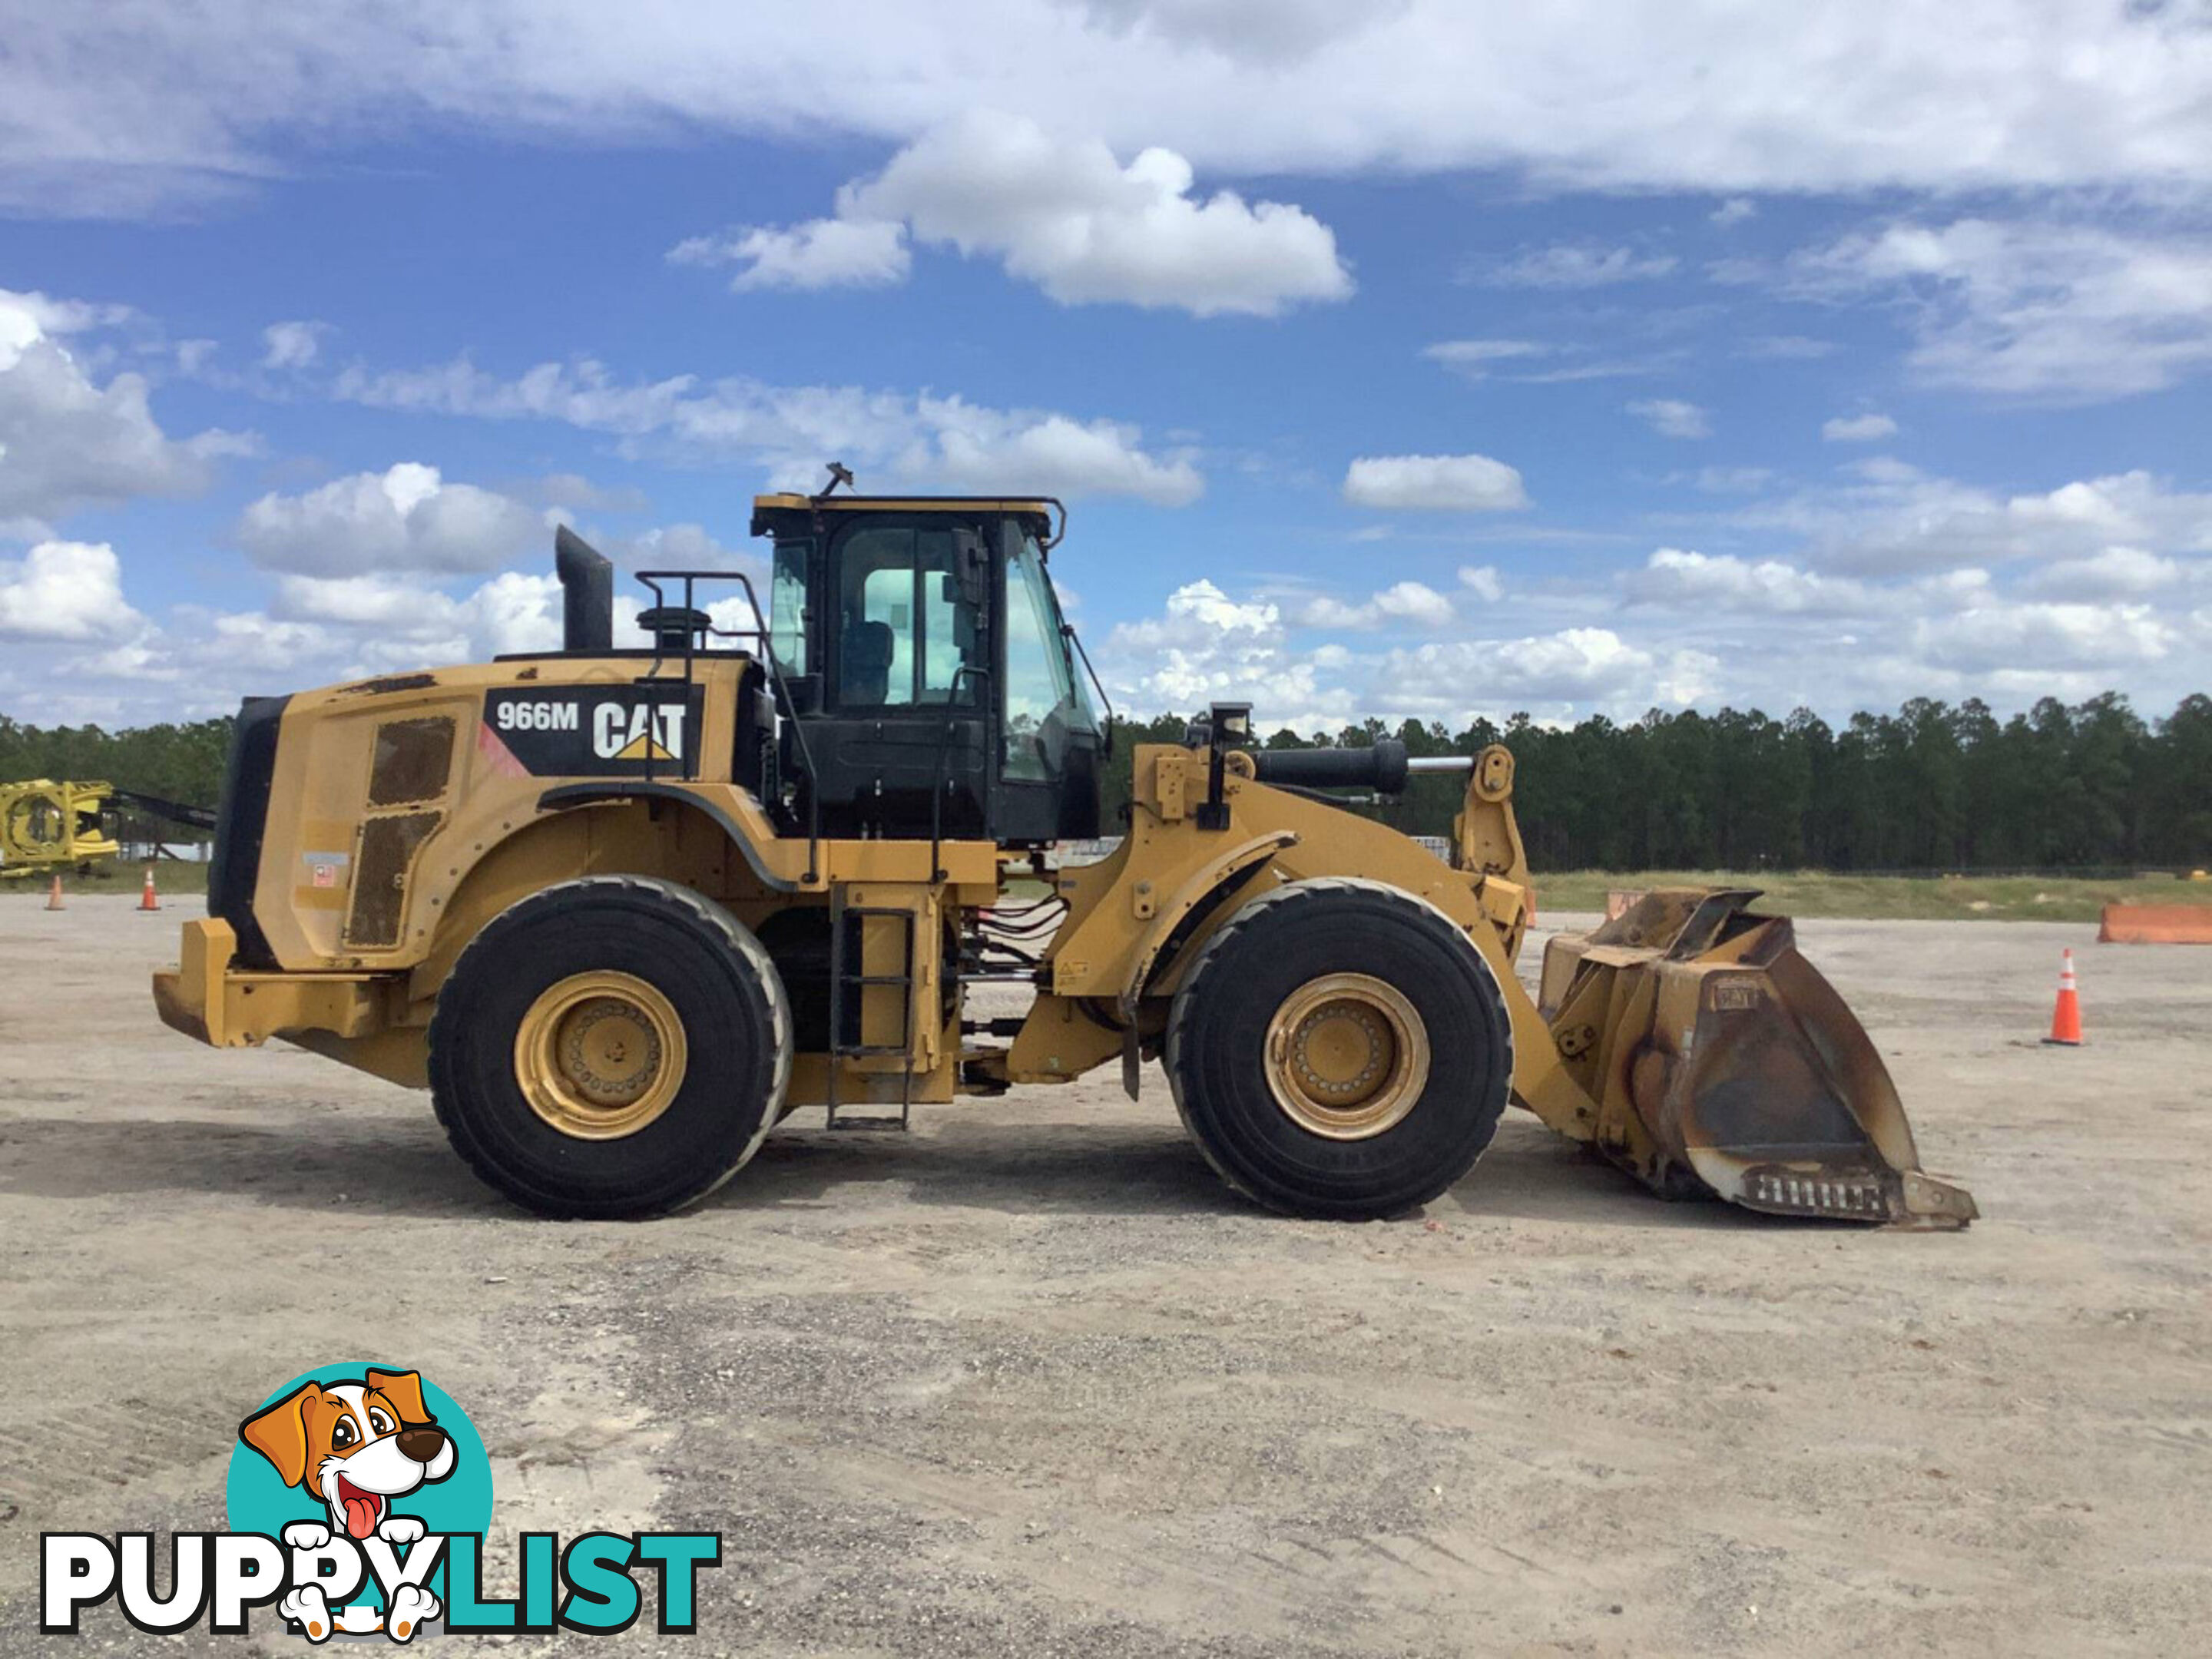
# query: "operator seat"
{"type": "Point", "coordinates": [865, 674]}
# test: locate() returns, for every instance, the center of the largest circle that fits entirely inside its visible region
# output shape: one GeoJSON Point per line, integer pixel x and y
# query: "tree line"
{"type": "Point", "coordinates": [177, 762]}
{"type": "Point", "coordinates": [1933, 787]}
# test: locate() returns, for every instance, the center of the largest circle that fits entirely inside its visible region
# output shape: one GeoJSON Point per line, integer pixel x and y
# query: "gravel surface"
{"type": "Point", "coordinates": [1028, 1380]}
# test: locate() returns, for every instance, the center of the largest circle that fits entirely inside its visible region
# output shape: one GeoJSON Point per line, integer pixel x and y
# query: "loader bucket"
{"type": "Point", "coordinates": [1722, 1061]}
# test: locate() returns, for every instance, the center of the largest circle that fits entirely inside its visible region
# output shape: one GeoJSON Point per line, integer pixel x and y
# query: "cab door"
{"type": "Point", "coordinates": [1049, 747]}
{"type": "Point", "coordinates": [903, 638]}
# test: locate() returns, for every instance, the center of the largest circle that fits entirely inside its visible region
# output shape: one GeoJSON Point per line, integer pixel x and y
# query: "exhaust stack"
{"type": "Point", "coordinates": [588, 592]}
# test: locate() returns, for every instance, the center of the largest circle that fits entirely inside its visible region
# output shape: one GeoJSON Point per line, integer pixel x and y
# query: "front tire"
{"type": "Point", "coordinates": [1340, 1049]}
{"type": "Point", "coordinates": [615, 1046]}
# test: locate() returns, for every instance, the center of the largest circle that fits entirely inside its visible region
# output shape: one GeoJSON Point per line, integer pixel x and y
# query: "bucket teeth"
{"type": "Point", "coordinates": [1713, 1048]}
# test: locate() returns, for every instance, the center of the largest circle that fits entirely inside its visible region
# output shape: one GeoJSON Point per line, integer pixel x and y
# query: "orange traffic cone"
{"type": "Point", "coordinates": [146, 899]}
{"type": "Point", "coordinates": [2066, 1017]}
{"type": "Point", "coordinates": [54, 894]}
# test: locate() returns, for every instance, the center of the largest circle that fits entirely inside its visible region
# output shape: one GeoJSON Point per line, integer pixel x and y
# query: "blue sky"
{"type": "Point", "coordinates": [1433, 361]}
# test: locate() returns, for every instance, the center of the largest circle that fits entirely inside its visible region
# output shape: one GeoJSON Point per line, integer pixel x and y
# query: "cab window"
{"type": "Point", "coordinates": [787, 607]}
{"type": "Point", "coordinates": [904, 631]}
{"type": "Point", "coordinates": [1044, 701]}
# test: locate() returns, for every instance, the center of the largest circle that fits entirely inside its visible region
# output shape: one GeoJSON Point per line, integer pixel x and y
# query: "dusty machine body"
{"type": "Point", "coordinates": [622, 911]}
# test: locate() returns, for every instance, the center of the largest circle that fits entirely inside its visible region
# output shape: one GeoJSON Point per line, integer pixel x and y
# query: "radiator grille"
{"type": "Point", "coordinates": [412, 760]}
{"type": "Point", "coordinates": [385, 849]}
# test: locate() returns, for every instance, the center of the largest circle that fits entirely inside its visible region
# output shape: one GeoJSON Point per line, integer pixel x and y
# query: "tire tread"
{"type": "Point", "coordinates": [1222, 946]}
{"type": "Point", "coordinates": [697, 909]}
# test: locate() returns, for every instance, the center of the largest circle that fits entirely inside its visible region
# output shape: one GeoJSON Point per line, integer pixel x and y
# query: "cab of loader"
{"type": "Point", "coordinates": [915, 677]}
{"type": "Point", "coordinates": [936, 687]}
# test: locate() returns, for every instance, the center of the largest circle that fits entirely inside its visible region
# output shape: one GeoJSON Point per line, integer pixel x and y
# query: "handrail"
{"type": "Point", "coordinates": [944, 755]}
{"type": "Point", "coordinates": [1067, 632]}
{"type": "Point", "coordinates": [652, 578]}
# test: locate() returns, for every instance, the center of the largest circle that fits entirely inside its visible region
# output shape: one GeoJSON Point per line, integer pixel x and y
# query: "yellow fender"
{"type": "Point", "coordinates": [1201, 886]}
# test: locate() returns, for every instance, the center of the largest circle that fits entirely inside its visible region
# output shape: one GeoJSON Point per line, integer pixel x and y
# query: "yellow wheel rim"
{"type": "Point", "coordinates": [600, 1055]}
{"type": "Point", "coordinates": [1347, 1056]}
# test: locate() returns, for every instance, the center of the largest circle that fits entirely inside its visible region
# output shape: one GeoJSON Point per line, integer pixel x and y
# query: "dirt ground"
{"type": "Point", "coordinates": [1027, 1380]}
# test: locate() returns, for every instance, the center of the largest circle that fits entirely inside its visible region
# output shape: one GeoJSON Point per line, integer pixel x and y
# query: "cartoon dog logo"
{"type": "Point", "coordinates": [356, 1446]}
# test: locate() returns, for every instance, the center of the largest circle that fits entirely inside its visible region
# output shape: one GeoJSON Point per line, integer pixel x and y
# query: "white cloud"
{"type": "Point", "coordinates": [28, 317]}
{"type": "Point", "coordinates": [132, 660]}
{"type": "Point", "coordinates": [1452, 484]}
{"type": "Point", "coordinates": [1783, 634]}
{"type": "Point", "coordinates": [1205, 646]}
{"type": "Point", "coordinates": [818, 253]}
{"type": "Point", "coordinates": [677, 547]}
{"type": "Point", "coordinates": [1670, 417]}
{"type": "Point", "coordinates": [1068, 217]}
{"type": "Point", "coordinates": [1585, 365]}
{"type": "Point", "coordinates": [2043, 309]}
{"type": "Point", "coordinates": [1734, 211]}
{"type": "Point", "coordinates": [1200, 611]}
{"type": "Point", "coordinates": [1063, 213]}
{"type": "Point", "coordinates": [1723, 581]}
{"type": "Point", "coordinates": [64, 591]}
{"type": "Point", "coordinates": [514, 612]}
{"type": "Point", "coordinates": [1517, 360]}
{"type": "Point", "coordinates": [1895, 519]}
{"type": "Point", "coordinates": [1786, 348]}
{"type": "Point", "coordinates": [380, 600]}
{"type": "Point", "coordinates": [1574, 669]}
{"type": "Point", "coordinates": [1579, 264]}
{"type": "Point", "coordinates": [417, 624]}
{"type": "Point", "coordinates": [1413, 602]}
{"type": "Point", "coordinates": [407, 518]}
{"type": "Point", "coordinates": [1887, 469]}
{"type": "Point", "coordinates": [1474, 358]}
{"type": "Point", "coordinates": [794, 431]}
{"type": "Point", "coordinates": [1483, 582]}
{"type": "Point", "coordinates": [68, 442]}
{"type": "Point", "coordinates": [970, 447]}
{"type": "Point", "coordinates": [329, 630]}
{"type": "Point", "coordinates": [1725, 480]}
{"type": "Point", "coordinates": [2117, 573]}
{"type": "Point", "coordinates": [127, 110]}
{"type": "Point", "coordinates": [2033, 638]}
{"type": "Point", "coordinates": [247, 642]}
{"type": "Point", "coordinates": [571, 492]}
{"type": "Point", "coordinates": [292, 345]}
{"type": "Point", "coordinates": [316, 630]}
{"type": "Point", "coordinates": [1857, 429]}
{"type": "Point", "coordinates": [1406, 603]}
{"type": "Point", "coordinates": [1276, 32]}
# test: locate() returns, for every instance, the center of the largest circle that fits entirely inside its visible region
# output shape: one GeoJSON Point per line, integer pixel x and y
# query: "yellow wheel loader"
{"type": "Point", "coordinates": [622, 911]}
{"type": "Point", "coordinates": [46, 826]}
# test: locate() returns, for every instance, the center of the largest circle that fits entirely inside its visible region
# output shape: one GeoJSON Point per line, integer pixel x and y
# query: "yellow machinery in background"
{"type": "Point", "coordinates": [46, 826]}
{"type": "Point", "coordinates": [622, 909]}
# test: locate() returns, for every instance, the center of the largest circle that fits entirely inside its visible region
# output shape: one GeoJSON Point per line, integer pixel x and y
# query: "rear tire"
{"type": "Point", "coordinates": [1340, 1049]}
{"type": "Point", "coordinates": [615, 1046]}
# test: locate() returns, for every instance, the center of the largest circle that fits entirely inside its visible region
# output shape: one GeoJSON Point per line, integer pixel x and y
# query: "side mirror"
{"type": "Point", "coordinates": [971, 567]}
